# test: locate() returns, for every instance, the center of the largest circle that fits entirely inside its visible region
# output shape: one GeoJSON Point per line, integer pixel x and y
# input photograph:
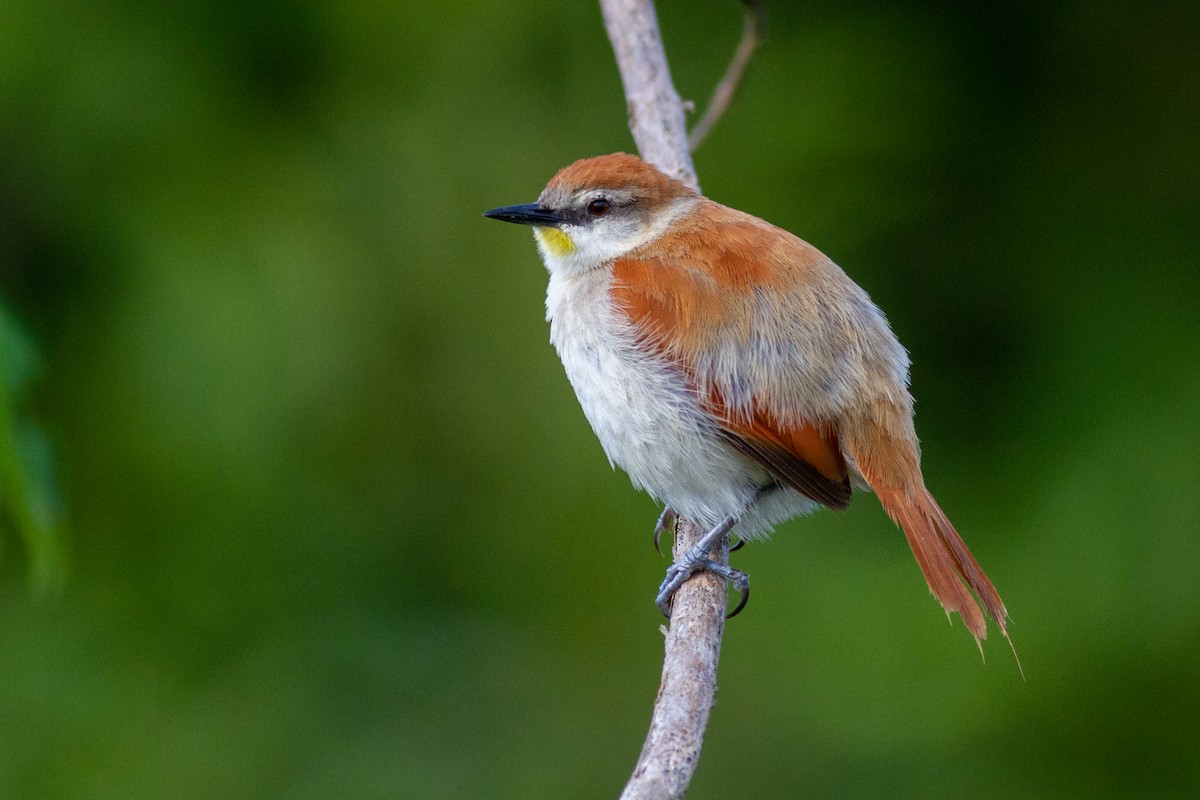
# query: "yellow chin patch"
{"type": "Point", "coordinates": [553, 241]}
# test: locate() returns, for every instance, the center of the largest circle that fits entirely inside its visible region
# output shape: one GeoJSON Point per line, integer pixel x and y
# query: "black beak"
{"type": "Point", "coordinates": [530, 214]}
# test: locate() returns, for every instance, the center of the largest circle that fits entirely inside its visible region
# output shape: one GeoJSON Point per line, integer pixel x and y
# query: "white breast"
{"type": "Point", "coordinates": [647, 418]}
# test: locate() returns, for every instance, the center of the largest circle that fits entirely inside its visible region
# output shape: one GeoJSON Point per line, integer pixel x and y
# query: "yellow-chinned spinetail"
{"type": "Point", "coordinates": [733, 370]}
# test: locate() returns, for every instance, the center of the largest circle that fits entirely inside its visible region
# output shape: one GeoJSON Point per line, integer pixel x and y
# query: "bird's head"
{"type": "Point", "coordinates": [599, 209]}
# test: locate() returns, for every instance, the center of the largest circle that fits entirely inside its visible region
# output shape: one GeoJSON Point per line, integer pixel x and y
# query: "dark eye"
{"type": "Point", "coordinates": [599, 207]}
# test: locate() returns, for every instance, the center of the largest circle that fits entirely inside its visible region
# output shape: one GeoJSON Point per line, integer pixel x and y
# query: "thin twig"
{"type": "Point", "coordinates": [726, 90]}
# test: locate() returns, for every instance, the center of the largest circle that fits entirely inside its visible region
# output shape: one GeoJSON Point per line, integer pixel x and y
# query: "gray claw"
{"type": "Point", "coordinates": [666, 522]}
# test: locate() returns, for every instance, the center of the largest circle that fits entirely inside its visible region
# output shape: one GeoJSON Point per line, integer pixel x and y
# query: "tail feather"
{"type": "Point", "coordinates": [948, 565]}
{"type": "Point", "coordinates": [881, 446]}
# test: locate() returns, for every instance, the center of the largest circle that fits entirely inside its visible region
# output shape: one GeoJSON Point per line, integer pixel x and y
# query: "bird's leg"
{"type": "Point", "coordinates": [740, 543]}
{"type": "Point", "coordinates": [695, 560]}
{"type": "Point", "coordinates": [666, 522]}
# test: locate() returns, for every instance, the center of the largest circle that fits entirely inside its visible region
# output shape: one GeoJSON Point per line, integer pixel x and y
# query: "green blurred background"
{"type": "Point", "coordinates": [305, 507]}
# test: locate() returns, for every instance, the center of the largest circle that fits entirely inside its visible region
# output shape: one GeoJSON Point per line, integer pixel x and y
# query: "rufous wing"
{"type": "Point", "coordinates": [799, 455]}
{"type": "Point", "coordinates": [707, 304]}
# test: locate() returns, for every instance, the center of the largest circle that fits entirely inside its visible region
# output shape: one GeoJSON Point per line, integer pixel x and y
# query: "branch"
{"type": "Point", "coordinates": [689, 681]}
{"type": "Point", "coordinates": [693, 642]}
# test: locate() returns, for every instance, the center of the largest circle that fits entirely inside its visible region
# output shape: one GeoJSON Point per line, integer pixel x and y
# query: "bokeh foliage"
{"type": "Point", "coordinates": [337, 526]}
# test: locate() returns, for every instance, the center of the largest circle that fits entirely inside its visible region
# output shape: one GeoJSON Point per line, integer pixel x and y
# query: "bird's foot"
{"type": "Point", "coordinates": [696, 560]}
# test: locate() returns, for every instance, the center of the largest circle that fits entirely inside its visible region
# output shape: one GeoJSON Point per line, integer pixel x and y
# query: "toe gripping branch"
{"type": "Point", "coordinates": [696, 560]}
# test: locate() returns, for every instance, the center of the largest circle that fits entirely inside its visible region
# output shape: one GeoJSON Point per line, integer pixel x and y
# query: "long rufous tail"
{"type": "Point", "coordinates": [883, 447]}
{"type": "Point", "coordinates": [942, 555]}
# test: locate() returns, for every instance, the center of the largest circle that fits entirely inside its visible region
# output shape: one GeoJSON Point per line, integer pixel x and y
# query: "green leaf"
{"type": "Point", "coordinates": [30, 504]}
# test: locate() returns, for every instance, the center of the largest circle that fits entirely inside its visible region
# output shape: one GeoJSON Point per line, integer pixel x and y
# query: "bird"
{"type": "Point", "coordinates": [734, 371]}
